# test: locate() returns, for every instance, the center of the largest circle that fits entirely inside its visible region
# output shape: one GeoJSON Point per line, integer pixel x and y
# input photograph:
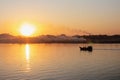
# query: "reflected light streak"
{"type": "Point", "coordinates": [27, 49]}
{"type": "Point", "coordinates": [27, 52]}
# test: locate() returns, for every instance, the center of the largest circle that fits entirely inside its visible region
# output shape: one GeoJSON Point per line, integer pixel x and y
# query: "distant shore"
{"type": "Point", "coordinates": [106, 39]}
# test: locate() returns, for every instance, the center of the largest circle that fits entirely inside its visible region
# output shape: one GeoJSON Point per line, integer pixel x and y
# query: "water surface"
{"type": "Point", "coordinates": [59, 62]}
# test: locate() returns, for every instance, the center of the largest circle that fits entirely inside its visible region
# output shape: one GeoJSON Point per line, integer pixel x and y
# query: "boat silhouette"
{"type": "Point", "coordinates": [89, 48]}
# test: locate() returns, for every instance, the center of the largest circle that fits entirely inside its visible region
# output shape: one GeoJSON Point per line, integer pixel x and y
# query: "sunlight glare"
{"type": "Point", "coordinates": [27, 29]}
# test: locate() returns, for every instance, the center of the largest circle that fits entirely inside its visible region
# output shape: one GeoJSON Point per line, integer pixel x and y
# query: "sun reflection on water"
{"type": "Point", "coordinates": [27, 50]}
{"type": "Point", "coordinates": [27, 56]}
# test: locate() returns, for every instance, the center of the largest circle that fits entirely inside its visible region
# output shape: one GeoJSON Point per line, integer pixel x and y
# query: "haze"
{"type": "Point", "coordinates": [61, 16]}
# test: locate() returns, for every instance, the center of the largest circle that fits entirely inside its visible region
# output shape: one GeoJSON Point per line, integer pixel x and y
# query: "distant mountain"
{"type": "Point", "coordinates": [5, 35]}
{"type": "Point", "coordinates": [60, 39]}
{"type": "Point", "coordinates": [7, 38]}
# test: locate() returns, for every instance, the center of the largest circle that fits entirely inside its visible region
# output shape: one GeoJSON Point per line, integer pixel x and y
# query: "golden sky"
{"type": "Point", "coordinates": [61, 16]}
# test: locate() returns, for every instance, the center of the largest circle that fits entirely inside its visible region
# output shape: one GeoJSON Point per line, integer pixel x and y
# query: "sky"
{"type": "Point", "coordinates": [61, 16]}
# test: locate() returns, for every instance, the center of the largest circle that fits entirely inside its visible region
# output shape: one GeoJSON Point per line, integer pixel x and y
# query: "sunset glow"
{"type": "Point", "coordinates": [59, 39]}
{"type": "Point", "coordinates": [70, 17]}
{"type": "Point", "coordinates": [27, 29]}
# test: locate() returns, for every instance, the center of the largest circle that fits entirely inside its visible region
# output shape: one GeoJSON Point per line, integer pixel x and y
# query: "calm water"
{"type": "Point", "coordinates": [59, 62]}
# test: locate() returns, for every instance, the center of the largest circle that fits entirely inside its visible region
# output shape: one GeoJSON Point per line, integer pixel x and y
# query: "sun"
{"type": "Point", "coordinates": [27, 29]}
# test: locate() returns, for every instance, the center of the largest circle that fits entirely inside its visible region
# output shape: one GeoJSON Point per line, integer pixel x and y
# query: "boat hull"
{"type": "Point", "coordinates": [89, 48]}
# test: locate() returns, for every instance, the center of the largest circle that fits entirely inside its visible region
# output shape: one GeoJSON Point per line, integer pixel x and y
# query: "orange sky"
{"type": "Point", "coordinates": [61, 16]}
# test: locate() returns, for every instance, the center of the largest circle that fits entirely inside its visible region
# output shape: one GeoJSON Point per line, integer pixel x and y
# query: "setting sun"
{"type": "Point", "coordinates": [27, 29]}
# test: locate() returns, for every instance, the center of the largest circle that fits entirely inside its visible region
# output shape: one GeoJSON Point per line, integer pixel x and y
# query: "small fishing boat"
{"type": "Point", "coordinates": [89, 48]}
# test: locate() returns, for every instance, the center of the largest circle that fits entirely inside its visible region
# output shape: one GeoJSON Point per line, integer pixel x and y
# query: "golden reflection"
{"type": "Point", "coordinates": [27, 53]}
{"type": "Point", "coordinates": [27, 50]}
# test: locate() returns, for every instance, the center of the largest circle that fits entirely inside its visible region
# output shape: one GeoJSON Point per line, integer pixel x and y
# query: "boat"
{"type": "Point", "coordinates": [89, 48]}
